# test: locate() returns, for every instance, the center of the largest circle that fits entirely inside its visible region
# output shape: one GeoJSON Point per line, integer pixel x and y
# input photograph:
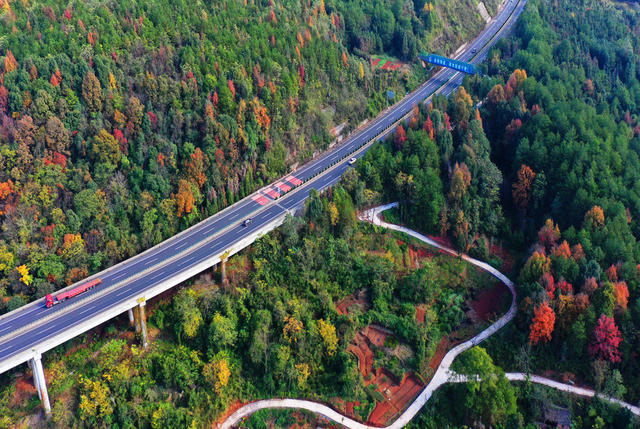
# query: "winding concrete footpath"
{"type": "Point", "coordinates": [440, 377]}
{"type": "Point", "coordinates": [580, 391]}
{"type": "Point", "coordinates": [443, 374]}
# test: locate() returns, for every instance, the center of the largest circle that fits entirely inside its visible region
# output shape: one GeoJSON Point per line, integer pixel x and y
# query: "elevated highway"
{"type": "Point", "coordinates": [30, 331]}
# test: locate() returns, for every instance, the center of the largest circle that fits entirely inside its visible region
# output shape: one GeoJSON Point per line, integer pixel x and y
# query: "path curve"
{"type": "Point", "coordinates": [440, 377]}
{"type": "Point", "coordinates": [443, 374]}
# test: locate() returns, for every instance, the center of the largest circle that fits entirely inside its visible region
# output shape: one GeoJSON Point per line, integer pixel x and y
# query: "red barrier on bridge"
{"type": "Point", "coordinates": [293, 180]}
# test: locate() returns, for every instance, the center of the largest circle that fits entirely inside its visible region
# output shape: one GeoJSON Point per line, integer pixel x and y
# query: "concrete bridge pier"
{"type": "Point", "coordinates": [223, 270]}
{"type": "Point", "coordinates": [136, 318]}
{"type": "Point", "coordinates": [143, 324]}
{"type": "Point", "coordinates": [40, 382]}
{"type": "Point", "coordinates": [131, 319]}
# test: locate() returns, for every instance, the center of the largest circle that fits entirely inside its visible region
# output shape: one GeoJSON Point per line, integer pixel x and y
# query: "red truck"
{"type": "Point", "coordinates": [50, 300]}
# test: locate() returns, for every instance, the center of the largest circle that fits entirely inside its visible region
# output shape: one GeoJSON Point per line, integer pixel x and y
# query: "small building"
{"type": "Point", "coordinates": [557, 417]}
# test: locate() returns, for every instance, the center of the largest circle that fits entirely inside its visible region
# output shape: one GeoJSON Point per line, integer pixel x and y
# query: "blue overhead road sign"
{"type": "Point", "coordinates": [449, 63]}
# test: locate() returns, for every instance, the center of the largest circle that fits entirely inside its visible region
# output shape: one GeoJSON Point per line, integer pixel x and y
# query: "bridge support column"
{"type": "Point", "coordinates": [136, 318]}
{"type": "Point", "coordinates": [223, 270]}
{"type": "Point", "coordinates": [40, 382]}
{"type": "Point", "coordinates": [143, 324]}
{"type": "Point", "coordinates": [131, 319]}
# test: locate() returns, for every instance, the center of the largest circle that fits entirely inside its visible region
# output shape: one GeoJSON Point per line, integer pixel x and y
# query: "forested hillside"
{"type": "Point", "coordinates": [296, 306]}
{"type": "Point", "coordinates": [560, 107]}
{"type": "Point", "coordinates": [122, 123]}
{"type": "Point", "coordinates": [564, 130]}
{"type": "Point", "coordinates": [548, 165]}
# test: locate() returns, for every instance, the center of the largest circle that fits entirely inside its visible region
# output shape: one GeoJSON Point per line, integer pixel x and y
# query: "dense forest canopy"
{"type": "Point", "coordinates": [549, 164]}
{"type": "Point", "coordinates": [122, 123]}
{"type": "Point", "coordinates": [181, 107]}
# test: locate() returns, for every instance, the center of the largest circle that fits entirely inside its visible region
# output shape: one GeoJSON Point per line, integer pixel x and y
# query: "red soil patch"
{"type": "Point", "coordinates": [358, 300]}
{"type": "Point", "coordinates": [488, 303]}
{"type": "Point", "coordinates": [389, 65]}
{"type": "Point", "coordinates": [363, 353]}
{"type": "Point", "coordinates": [235, 406]}
{"type": "Point", "coordinates": [301, 421]}
{"type": "Point", "coordinates": [362, 348]}
{"type": "Point", "coordinates": [445, 344]}
{"type": "Point", "coordinates": [24, 390]}
{"type": "Point", "coordinates": [425, 253]}
{"type": "Point", "coordinates": [444, 241]}
{"type": "Point", "coordinates": [420, 313]}
{"type": "Point", "coordinates": [375, 335]}
{"type": "Point", "coordinates": [350, 408]}
{"type": "Point", "coordinates": [398, 396]}
{"type": "Point", "coordinates": [441, 350]}
{"type": "Point", "coordinates": [415, 254]}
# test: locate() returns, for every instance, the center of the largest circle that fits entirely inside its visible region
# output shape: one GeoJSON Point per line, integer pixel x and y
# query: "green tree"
{"type": "Point", "coordinates": [488, 393]}
{"type": "Point", "coordinates": [222, 333]}
{"type": "Point", "coordinates": [188, 314]}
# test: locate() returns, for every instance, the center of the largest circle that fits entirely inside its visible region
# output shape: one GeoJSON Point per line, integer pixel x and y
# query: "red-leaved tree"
{"type": "Point", "coordinates": [549, 234]}
{"type": "Point", "coordinates": [565, 287]}
{"type": "Point", "coordinates": [549, 284]}
{"type": "Point", "coordinates": [607, 338]}
{"type": "Point", "coordinates": [428, 127]}
{"type": "Point", "coordinates": [399, 137]}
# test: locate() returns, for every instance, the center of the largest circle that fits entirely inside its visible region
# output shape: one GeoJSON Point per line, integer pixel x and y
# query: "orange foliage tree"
{"type": "Point", "coordinates": [10, 63]}
{"type": "Point", "coordinates": [428, 127]}
{"type": "Point", "coordinates": [621, 292]}
{"type": "Point", "coordinates": [594, 218]}
{"type": "Point", "coordinates": [522, 187]}
{"type": "Point", "coordinates": [515, 81]}
{"type": "Point", "coordinates": [542, 325]}
{"type": "Point", "coordinates": [577, 252]}
{"type": "Point", "coordinates": [196, 167]}
{"type": "Point", "coordinates": [562, 250]}
{"type": "Point", "coordinates": [6, 189]}
{"type": "Point", "coordinates": [184, 199]}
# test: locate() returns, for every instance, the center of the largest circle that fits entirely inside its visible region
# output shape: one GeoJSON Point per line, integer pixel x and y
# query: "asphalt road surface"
{"type": "Point", "coordinates": [215, 234]}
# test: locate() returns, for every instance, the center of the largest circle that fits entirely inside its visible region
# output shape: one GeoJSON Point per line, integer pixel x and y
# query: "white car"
{"type": "Point", "coordinates": [352, 161]}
